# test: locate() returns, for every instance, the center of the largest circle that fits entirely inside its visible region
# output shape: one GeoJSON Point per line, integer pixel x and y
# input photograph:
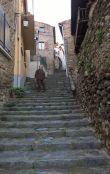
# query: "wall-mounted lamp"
{"type": "Point", "coordinates": [25, 23]}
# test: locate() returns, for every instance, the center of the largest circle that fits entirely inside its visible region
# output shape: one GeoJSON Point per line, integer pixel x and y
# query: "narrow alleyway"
{"type": "Point", "coordinates": [49, 133]}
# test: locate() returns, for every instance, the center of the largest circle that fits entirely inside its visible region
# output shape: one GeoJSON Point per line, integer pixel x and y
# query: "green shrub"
{"type": "Point", "coordinates": [18, 92]}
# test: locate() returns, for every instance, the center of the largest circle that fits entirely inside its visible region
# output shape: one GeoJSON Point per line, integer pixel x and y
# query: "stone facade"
{"type": "Point", "coordinates": [59, 62]}
{"type": "Point", "coordinates": [7, 59]}
{"type": "Point", "coordinates": [44, 48]}
{"type": "Point", "coordinates": [68, 42]}
{"type": "Point", "coordinates": [93, 82]}
{"type": "Point", "coordinates": [71, 59]}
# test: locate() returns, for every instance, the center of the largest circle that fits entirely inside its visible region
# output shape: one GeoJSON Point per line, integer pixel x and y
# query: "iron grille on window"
{"type": "Point", "coordinates": [82, 14]}
{"type": "Point", "coordinates": [4, 31]}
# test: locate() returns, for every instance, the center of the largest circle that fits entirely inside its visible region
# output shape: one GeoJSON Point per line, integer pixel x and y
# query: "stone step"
{"type": "Point", "coordinates": [23, 171]}
{"type": "Point", "coordinates": [45, 124]}
{"type": "Point", "coordinates": [28, 108]}
{"type": "Point", "coordinates": [50, 144]}
{"type": "Point", "coordinates": [41, 103]}
{"type": "Point", "coordinates": [49, 97]}
{"type": "Point", "coordinates": [56, 93]}
{"type": "Point", "coordinates": [40, 112]}
{"type": "Point", "coordinates": [58, 159]}
{"type": "Point", "coordinates": [42, 96]}
{"type": "Point", "coordinates": [46, 96]}
{"type": "Point", "coordinates": [33, 171]}
{"type": "Point", "coordinates": [21, 117]}
{"type": "Point", "coordinates": [49, 91]}
{"type": "Point", "coordinates": [76, 170]}
{"type": "Point", "coordinates": [23, 100]}
{"type": "Point", "coordinates": [37, 99]}
{"type": "Point", "coordinates": [45, 132]}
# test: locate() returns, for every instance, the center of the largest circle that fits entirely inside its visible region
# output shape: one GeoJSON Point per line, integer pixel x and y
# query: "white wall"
{"type": "Point", "coordinates": [33, 66]}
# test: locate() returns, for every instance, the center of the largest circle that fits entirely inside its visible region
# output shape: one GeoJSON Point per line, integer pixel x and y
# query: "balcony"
{"type": "Point", "coordinates": [28, 32]}
{"type": "Point", "coordinates": [81, 27]}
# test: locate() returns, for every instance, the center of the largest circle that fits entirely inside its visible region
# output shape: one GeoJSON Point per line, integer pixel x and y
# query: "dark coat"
{"type": "Point", "coordinates": [40, 74]}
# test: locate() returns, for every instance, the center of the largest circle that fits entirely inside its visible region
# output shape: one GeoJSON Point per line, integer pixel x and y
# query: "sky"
{"type": "Point", "coordinates": [51, 12]}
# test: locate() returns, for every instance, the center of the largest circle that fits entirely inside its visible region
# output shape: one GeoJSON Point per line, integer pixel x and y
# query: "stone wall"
{"type": "Point", "coordinates": [69, 43]}
{"type": "Point", "coordinates": [7, 62]}
{"type": "Point", "coordinates": [93, 84]}
{"type": "Point", "coordinates": [71, 58]}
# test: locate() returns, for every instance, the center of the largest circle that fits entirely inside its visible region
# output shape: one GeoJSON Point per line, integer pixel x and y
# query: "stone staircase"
{"type": "Point", "coordinates": [49, 133]}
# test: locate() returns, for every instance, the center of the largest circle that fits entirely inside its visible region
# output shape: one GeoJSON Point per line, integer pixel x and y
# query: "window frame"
{"type": "Point", "coordinates": [5, 32]}
{"type": "Point", "coordinates": [42, 29]}
{"type": "Point", "coordinates": [41, 45]}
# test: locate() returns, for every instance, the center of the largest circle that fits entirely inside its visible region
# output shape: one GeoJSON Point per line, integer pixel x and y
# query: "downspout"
{"type": "Point", "coordinates": [16, 68]}
{"type": "Point", "coordinates": [19, 46]}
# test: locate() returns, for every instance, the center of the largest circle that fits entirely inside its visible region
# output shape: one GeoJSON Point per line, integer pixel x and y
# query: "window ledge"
{"type": "Point", "coordinates": [5, 53]}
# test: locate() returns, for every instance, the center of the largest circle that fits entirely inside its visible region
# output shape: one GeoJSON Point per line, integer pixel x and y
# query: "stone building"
{"type": "Point", "coordinates": [91, 31]}
{"type": "Point", "coordinates": [7, 46]}
{"type": "Point", "coordinates": [24, 40]}
{"type": "Point", "coordinates": [45, 40]}
{"type": "Point", "coordinates": [13, 44]}
{"type": "Point", "coordinates": [70, 56]}
{"type": "Point", "coordinates": [59, 61]}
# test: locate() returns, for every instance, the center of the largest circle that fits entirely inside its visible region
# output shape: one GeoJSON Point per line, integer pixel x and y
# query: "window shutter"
{"type": "Point", "coordinates": [7, 35]}
{"type": "Point", "coordinates": [2, 25]}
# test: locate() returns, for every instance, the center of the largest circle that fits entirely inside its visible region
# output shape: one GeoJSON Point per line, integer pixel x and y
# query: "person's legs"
{"type": "Point", "coordinates": [39, 84]}
{"type": "Point", "coordinates": [43, 85]}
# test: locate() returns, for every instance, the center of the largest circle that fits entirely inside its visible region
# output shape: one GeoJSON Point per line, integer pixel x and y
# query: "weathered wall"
{"type": "Point", "coordinates": [93, 82]}
{"type": "Point", "coordinates": [20, 56]}
{"type": "Point", "coordinates": [69, 43]}
{"type": "Point", "coordinates": [6, 64]}
{"type": "Point", "coordinates": [48, 38]}
{"type": "Point", "coordinates": [71, 58]}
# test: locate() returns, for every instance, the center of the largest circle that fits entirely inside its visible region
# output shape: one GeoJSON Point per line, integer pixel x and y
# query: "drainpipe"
{"type": "Point", "coordinates": [17, 54]}
{"type": "Point", "coordinates": [19, 46]}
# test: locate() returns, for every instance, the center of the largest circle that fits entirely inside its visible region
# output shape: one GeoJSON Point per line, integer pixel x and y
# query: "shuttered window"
{"type": "Point", "coordinates": [41, 45]}
{"type": "Point", "coordinates": [7, 35]}
{"type": "Point", "coordinates": [4, 31]}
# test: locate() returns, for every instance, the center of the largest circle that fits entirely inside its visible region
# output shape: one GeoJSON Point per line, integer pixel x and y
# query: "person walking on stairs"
{"type": "Point", "coordinates": [40, 77]}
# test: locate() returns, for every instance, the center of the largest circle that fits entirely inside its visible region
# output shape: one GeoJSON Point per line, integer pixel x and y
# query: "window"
{"type": "Point", "coordinates": [43, 61]}
{"type": "Point", "coordinates": [4, 31]}
{"type": "Point", "coordinates": [41, 45]}
{"type": "Point", "coordinates": [42, 29]}
{"type": "Point", "coordinates": [7, 36]}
